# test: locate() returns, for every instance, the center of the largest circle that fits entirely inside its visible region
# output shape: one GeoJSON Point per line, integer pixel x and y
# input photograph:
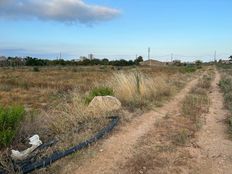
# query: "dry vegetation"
{"type": "Point", "coordinates": [165, 149]}
{"type": "Point", "coordinates": [226, 87]}
{"type": "Point", "coordinates": [54, 99]}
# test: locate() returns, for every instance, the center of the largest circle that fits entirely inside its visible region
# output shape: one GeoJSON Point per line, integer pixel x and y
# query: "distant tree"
{"type": "Point", "coordinates": [177, 62]}
{"type": "Point", "coordinates": [105, 61]}
{"type": "Point", "coordinates": [138, 60]}
{"type": "Point", "coordinates": [198, 62]}
{"type": "Point", "coordinates": [230, 57]}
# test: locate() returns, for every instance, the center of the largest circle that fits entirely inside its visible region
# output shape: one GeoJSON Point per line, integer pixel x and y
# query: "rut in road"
{"type": "Point", "coordinates": [118, 148]}
{"type": "Point", "coordinates": [215, 147]}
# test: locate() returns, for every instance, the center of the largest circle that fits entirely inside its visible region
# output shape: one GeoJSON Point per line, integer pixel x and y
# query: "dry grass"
{"type": "Point", "coordinates": [166, 148]}
{"type": "Point", "coordinates": [138, 89]}
{"type": "Point", "coordinates": [54, 98]}
{"type": "Point", "coordinates": [197, 102]}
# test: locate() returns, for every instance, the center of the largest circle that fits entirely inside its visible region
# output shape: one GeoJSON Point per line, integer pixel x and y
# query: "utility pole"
{"type": "Point", "coordinates": [149, 51]}
{"type": "Point", "coordinates": [215, 56]}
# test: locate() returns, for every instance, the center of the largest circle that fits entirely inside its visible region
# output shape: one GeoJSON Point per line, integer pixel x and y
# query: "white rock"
{"type": "Point", "coordinates": [104, 104]}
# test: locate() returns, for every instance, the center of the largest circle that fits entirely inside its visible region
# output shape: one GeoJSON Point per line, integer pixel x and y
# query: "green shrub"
{"type": "Point", "coordinates": [188, 69]}
{"type": "Point", "coordinates": [6, 137]}
{"type": "Point", "coordinates": [10, 118]}
{"type": "Point", "coordinates": [99, 91]}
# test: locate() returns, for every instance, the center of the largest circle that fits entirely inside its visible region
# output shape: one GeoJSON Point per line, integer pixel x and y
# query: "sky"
{"type": "Point", "coordinates": [115, 29]}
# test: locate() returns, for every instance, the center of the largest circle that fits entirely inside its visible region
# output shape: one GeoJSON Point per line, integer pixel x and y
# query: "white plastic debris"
{"type": "Point", "coordinates": [34, 141]}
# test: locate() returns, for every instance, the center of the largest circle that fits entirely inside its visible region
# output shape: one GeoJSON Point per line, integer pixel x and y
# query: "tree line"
{"type": "Point", "coordinates": [30, 61]}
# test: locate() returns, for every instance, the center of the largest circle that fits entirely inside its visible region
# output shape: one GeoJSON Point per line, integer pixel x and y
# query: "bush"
{"type": "Point", "coordinates": [99, 91]}
{"type": "Point", "coordinates": [188, 69]}
{"type": "Point", "coordinates": [10, 118]}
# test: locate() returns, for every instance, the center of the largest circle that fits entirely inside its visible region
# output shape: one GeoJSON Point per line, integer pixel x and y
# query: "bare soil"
{"type": "Point", "coordinates": [148, 143]}
{"type": "Point", "coordinates": [215, 146]}
{"type": "Point", "coordinates": [119, 148]}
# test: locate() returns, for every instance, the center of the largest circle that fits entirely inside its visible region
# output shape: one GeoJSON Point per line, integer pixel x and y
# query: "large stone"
{"type": "Point", "coordinates": [103, 104]}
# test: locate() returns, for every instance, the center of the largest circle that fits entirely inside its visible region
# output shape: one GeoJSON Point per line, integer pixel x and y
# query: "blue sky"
{"type": "Point", "coordinates": [190, 30]}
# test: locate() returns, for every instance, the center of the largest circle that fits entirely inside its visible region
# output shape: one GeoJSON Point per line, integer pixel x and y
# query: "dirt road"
{"type": "Point", "coordinates": [140, 147]}
{"type": "Point", "coordinates": [118, 149]}
{"type": "Point", "coordinates": [215, 147]}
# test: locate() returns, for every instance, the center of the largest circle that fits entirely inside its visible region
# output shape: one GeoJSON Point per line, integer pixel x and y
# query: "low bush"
{"type": "Point", "coordinates": [188, 69]}
{"type": "Point", "coordinates": [10, 118]}
{"type": "Point", "coordinates": [98, 91]}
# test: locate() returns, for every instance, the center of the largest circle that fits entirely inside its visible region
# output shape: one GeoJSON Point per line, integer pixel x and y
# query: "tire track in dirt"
{"type": "Point", "coordinates": [118, 148]}
{"type": "Point", "coordinates": [215, 147]}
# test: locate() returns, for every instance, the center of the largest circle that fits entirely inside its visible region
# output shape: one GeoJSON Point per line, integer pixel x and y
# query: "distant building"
{"type": "Point", "coordinates": [90, 56]}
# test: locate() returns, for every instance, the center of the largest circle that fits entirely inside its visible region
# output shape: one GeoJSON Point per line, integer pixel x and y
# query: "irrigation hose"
{"type": "Point", "coordinates": [29, 167]}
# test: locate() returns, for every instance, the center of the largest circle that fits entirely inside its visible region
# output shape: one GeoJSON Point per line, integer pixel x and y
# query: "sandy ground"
{"type": "Point", "coordinates": [117, 149]}
{"type": "Point", "coordinates": [130, 149]}
{"type": "Point", "coordinates": [215, 147]}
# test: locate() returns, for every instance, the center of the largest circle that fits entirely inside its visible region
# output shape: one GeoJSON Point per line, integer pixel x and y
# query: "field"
{"type": "Point", "coordinates": [164, 110]}
{"type": "Point", "coordinates": [54, 97]}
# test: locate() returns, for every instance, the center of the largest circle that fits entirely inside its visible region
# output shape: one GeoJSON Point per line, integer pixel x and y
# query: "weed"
{"type": "Point", "coordinates": [181, 137]}
{"type": "Point", "coordinates": [10, 118]}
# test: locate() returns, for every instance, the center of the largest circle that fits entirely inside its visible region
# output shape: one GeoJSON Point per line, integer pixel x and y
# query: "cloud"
{"type": "Point", "coordinates": [68, 11]}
